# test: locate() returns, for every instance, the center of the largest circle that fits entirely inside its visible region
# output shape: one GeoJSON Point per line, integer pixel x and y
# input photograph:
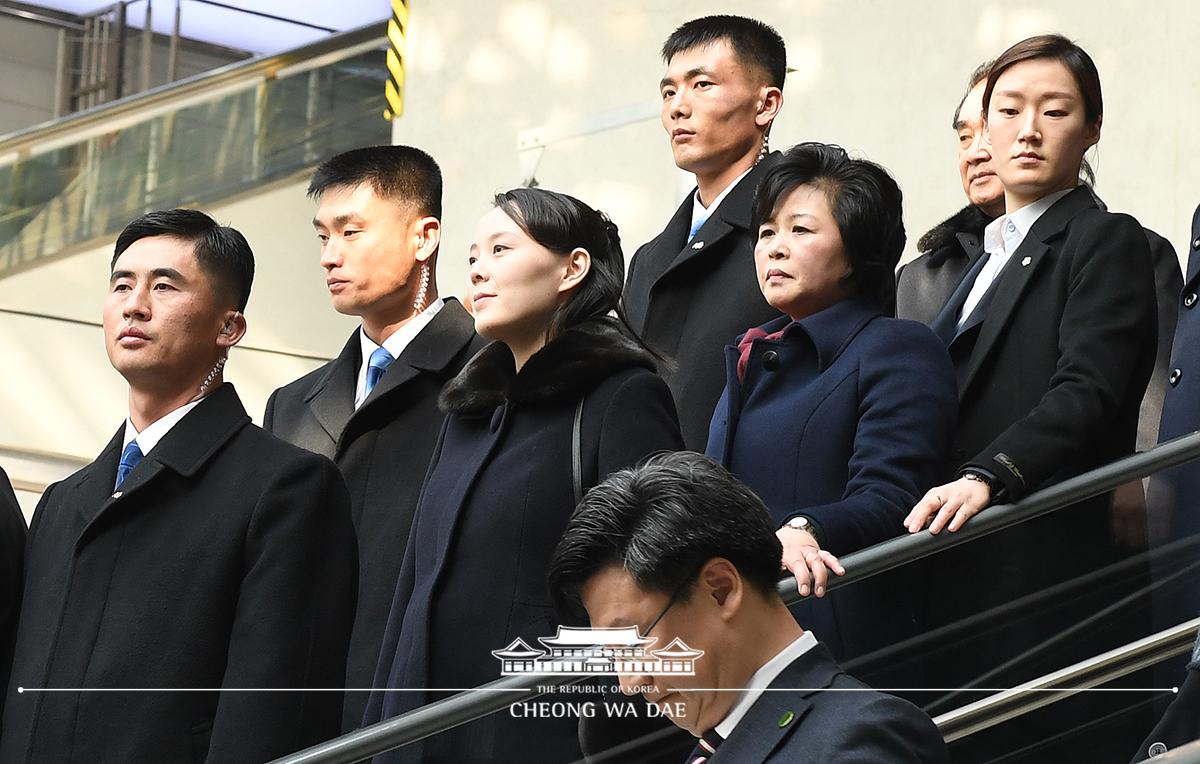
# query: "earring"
{"type": "Point", "coordinates": [766, 149]}
{"type": "Point", "coordinates": [419, 303]}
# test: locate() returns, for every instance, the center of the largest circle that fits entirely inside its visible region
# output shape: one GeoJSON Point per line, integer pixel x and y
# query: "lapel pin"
{"type": "Point", "coordinates": [698, 245]}
{"type": "Point", "coordinates": [1026, 261]}
{"type": "Point", "coordinates": [786, 719]}
{"type": "Point", "coordinates": [118, 494]}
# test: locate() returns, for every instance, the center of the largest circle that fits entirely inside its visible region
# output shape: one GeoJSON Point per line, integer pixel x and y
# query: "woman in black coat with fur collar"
{"type": "Point", "coordinates": [546, 272]}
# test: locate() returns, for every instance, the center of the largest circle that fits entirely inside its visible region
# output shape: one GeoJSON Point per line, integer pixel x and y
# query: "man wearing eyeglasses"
{"type": "Point", "coordinates": [682, 550]}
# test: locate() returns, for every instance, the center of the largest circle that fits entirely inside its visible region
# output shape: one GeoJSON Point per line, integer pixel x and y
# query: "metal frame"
{"type": "Point", "coordinates": [495, 696]}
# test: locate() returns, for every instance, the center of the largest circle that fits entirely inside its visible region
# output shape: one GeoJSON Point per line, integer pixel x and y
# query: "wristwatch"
{"type": "Point", "coordinates": [979, 476]}
{"type": "Point", "coordinates": [803, 523]}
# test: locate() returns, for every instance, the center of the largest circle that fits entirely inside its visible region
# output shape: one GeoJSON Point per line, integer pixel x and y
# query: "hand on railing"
{"type": "Point", "coordinates": [806, 560]}
{"type": "Point", "coordinates": [952, 503]}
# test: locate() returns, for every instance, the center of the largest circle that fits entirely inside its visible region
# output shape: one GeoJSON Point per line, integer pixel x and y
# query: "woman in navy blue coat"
{"type": "Point", "coordinates": [837, 415]}
{"type": "Point", "coordinates": [546, 272]}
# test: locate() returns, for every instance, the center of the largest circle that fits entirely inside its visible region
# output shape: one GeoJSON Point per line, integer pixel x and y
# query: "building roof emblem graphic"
{"type": "Point", "coordinates": [584, 651]}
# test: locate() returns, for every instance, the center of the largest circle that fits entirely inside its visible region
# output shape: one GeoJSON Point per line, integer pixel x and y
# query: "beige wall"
{"type": "Point", "coordinates": [880, 78]}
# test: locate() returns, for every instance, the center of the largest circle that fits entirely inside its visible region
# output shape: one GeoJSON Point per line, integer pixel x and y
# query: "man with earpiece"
{"type": "Point", "coordinates": [181, 589]}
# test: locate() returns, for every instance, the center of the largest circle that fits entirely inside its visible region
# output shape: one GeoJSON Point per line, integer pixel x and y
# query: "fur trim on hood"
{"type": "Point", "coordinates": [969, 219]}
{"type": "Point", "coordinates": [570, 364]}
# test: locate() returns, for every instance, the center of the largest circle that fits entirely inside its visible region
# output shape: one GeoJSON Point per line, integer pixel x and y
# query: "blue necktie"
{"type": "Point", "coordinates": [129, 459]}
{"type": "Point", "coordinates": [376, 366]}
{"type": "Point", "coordinates": [695, 229]}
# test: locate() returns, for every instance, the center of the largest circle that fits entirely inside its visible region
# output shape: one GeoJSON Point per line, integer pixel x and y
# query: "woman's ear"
{"type": "Point", "coordinates": [579, 263]}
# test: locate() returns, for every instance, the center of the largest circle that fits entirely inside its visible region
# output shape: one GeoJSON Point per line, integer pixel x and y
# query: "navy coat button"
{"type": "Point", "coordinates": [1176, 375]}
{"type": "Point", "coordinates": [1157, 749]}
{"type": "Point", "coordinates": [1189, 299]}
{"type": "Point", "coordinates": [770, 360]}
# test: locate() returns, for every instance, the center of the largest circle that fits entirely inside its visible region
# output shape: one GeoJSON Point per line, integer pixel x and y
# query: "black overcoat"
{"type": "Point", "coordinates": [948, 252]}
{"type": "Point", "coordinates": [496, 500]}
{"type": "Point", "coordinates": [12, 565]}
{"type": "Point", "coordinates": [383, 449]}
{"type": "Point", "coordinates": [688, 301]}
{"type": "Point", "coordinates": [1050, 384]}
{"type": "Point", "coordinates": [225, 560]}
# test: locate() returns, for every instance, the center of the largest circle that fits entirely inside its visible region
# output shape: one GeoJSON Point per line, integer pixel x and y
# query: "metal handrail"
{"type": "Point", "coordinates": [107, 117]}
{"type": "Point", "coordinates": [1184, 754]}
{"type": "Point", "coordinates": [495, 696]}
{"type": "Point", "coordinates": [1093, 672]}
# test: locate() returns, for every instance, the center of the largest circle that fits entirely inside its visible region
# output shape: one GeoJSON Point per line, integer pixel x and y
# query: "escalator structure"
{"type": "Point", "coordinates": [68, 185]}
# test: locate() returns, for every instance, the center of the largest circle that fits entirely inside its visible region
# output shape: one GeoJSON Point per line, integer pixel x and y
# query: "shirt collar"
{"type": "Point", "coordinates": [762, 679]}
{"type": "Point", "coordinates": [148, 438]}
{"type": "Point", "coordinates": [700, 212]}
{"type": "Point", "coordinates": [395, 344]}
{"type": "Point", "coordinates": [999, 234]}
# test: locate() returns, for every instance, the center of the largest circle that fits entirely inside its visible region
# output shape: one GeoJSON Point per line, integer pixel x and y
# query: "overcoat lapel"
{"type": "Point", "coordinates": [432, 350]}
{"type": "Point", "coordinates": [1019, 272]}
{"type": "Point", "coordinates": [332, 398]}
{"type": "Point", "coordinates": [184, 450]}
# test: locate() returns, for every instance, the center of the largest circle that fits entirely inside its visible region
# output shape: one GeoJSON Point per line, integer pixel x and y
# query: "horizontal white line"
{"type": "Point", "coordinates": [500, 689]}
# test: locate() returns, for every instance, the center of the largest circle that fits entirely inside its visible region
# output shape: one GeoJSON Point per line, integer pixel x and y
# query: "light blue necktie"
{"type": "Point", "coordinates": [129, 459]}
{"type": "Point", "coordinates": [376, 366]}
{"type": "Point", "coordinates": [696, 228]}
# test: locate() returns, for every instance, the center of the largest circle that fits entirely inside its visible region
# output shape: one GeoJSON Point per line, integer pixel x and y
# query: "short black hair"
{"type": "Point", "coordinates": [866, 204]}
{"type": "Point", "coordinates": [977, 76]}
{"type": "Point", "coordinates": [403, 174]}
{"type": "Point", "coordinates": [661, 522]}
{"type": "Point", "coordinates": [222, 252]}
{"type": "Point", "coordinates": [755, 44]}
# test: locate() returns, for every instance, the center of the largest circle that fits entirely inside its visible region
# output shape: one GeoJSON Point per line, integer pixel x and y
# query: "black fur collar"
{"type": "Point", "coordinates": [570, 364]}
{"type": "Point", "coordinates": [969, 219]}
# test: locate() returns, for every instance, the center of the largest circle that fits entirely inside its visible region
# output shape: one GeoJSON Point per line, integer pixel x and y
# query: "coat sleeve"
{"type": "Point", "coordinates": [888, 729]}
{"type": "Point", "coordinates": [907, 404]}
{"type": "Point", "coordinates": [12, 576]}
{"type": "Point", "coordinates": [293, 616]}
{"type": "Point", "coordinates": [638, 421]}
{"type": "Point", "coordinates": [1108, 320]}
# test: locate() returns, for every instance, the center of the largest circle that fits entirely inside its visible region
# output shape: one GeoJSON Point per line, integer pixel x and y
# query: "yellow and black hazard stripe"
{"type": "Point", "coordinates": [397, 32]}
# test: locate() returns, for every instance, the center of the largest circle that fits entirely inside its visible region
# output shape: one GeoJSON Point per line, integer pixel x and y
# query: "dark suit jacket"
{"type": "Point", "coordinates": [950, 249]}
{"type": "Point", "coordinates": [828, 716]}
{"type": "Point", "coordinates": [12, 568]}
{"type": "Point", "coordinates": [226, 560]}
{"type": "Point", "coordinates": [495, 503]}
{"type": "Point", "coordinates": [687, 301]}
{"type": "Point", "coordinates": [1050, 383]}
{"type": "Point", "coordinates": [846, 419]}
{"type": "Point", "coordinates": [383, 450]}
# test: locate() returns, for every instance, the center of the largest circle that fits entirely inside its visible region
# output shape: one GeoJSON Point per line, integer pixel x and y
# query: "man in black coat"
{"type": "Point", "coordinates": [197, 557]}
{"type": "Point", "coordinates": [681, 551]}
{"type": "Point", "coordinates": [378, 419]}
{"type": "Point", "coordinates": [12, 566]}
{"type": "Point", "coordinates": [952, 247]}
{"type": "Point", "coordinates": [692, 289]}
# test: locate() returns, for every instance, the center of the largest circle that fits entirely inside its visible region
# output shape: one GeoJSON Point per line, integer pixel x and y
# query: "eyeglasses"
{"type": "Point", "coordinates": [679, 590]}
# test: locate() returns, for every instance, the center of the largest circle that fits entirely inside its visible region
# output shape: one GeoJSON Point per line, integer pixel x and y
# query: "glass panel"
{"type": "Point", "coordinates": [196, 155]}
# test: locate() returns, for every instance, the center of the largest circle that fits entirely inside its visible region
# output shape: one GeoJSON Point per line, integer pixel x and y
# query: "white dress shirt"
{"type": "Point", "coordinates": [148, 438]}
{"type": "Point", "coordinates": [1000, 239]}
{"type": "Point", "coordinates": [762, 679]}
{"type": "Point", "coordinates": [700, 213]}
{"type": "Point", "coordinates": [394, 344]}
